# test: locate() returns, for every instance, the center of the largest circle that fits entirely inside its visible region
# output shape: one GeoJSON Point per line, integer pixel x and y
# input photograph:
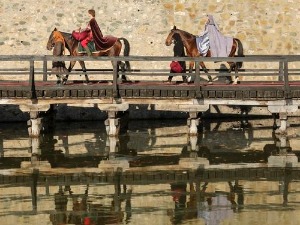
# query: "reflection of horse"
{"type": "Point", "coordinates": [72, 45]}
{"type": "Point", "coordinates": [189, 41]}
{"type": "Point", "coordinates": [200, 204]}
{"type": "Point", "coordinates": [79, 206]}
{"type": "Point", "coordinates": [92, 213]}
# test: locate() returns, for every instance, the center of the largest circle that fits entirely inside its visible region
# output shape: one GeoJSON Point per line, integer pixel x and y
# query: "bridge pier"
{"type": "Point", "coordinates": [113, 163]}
{"type": "Point", "coordinates": [193, 122]}
{"type": "Point", "coordinates": [112, 124]}
{"type": "Point", "coordinates": [35, 124]}
{"type": "Point", "coordinates": [283, 108]}
{"type": "Point", "coordinates": [283, 118]}
{"type": "Point", "coordinates": [193, 143]}
{"type": "Point", "coordinates": [194, 111]}
{"type": "Point", "coordinates": [36, 152]}
{"type": "Point", "coordinates": [284, 157]}
{"type": "Point", "coordinates": [283, 144]}
{"type": "Point", "coordinates": [113, 121]}
{"type": "Point", "coordinates": [112, 146]}
{"type": "Point", "coordinates": [41, 118]}
{"type": "Point", "coordinates": [192, 146]}
{"type": "Point", "coordinates": [35, 121]}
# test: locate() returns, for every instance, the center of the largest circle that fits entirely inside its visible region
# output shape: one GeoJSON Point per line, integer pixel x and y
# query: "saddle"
{"type": "Point", "coordinates": [79, 36]}
{"type": "Point", "coordinates": [90, 45]}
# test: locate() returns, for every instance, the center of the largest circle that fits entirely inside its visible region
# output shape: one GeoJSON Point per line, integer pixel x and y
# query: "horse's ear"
{"type": "Point", "coordinates": [174, 28]}
{"type": "Point", "coordinates": [55, 29]}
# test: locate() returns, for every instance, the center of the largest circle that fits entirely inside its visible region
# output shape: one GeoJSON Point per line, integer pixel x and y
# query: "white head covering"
{"type": "Point", "coordinates": [220, 46]}
{"type": "Point", "coordinates": [211, 21]}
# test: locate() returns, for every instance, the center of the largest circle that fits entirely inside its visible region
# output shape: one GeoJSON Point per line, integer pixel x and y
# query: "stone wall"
{"type": "Point", "coordinates": [264, 26]}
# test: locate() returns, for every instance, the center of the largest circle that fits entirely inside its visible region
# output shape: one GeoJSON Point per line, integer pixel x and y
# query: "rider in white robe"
{"type": "Point", "coordinates": [220, 45]}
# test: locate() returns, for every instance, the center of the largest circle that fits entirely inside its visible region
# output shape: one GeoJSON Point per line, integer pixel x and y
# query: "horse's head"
{"type": "Point", "coordinates": [170, 37]}
{"type": "Point", "coordinates": [51, 43]}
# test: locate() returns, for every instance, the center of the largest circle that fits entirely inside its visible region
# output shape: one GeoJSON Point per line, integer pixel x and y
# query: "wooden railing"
{"type": "Point", "coordinates": [34, 71]}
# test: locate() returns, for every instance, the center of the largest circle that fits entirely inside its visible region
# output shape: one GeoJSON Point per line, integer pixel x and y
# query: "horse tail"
{"type": "Point", "coordinates": [240, 52]}
{"type": "Point", "coordinates": [126, 52]}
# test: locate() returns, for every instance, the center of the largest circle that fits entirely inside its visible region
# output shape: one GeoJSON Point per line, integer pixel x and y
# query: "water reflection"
{"type": "Point", "coordinates": [234, 172]}
{"type": "Point", "coordinates": [213, 208]}
{"type": "Point", "coordinates": [85, 211]}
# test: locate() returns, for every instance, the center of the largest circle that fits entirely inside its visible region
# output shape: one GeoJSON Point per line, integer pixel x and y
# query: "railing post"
{"type": "Point", "coordinates": [286, 80]}
{"type": "Point", "coordinates": [281, 73]}
{"type": "Point", "coordinates": [197, 80]}
{"type": "Point", "coordinates": [45, 69]}
{"type": "Point", "coordinates": [115, 78]}
{"type": "Point", "coordinates": [31, 80]}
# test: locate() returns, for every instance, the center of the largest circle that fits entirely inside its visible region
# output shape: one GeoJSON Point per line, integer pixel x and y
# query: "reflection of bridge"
{"type": "Point", "coordinates": [148, 175]}
{"type": "Point", "coordinates": [69, 148]}
{"type": "Point", "coordinates": [276, 88]}
{"type": "Point", "coordinates": [188, 170]}
{"type": "Point", "coordinates": [191, 167]}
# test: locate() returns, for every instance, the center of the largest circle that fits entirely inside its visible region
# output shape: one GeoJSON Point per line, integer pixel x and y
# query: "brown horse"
{"type": "Point", "coordinates": [189, 42]}
{"type": "Point", "coordinates": [72, 45]}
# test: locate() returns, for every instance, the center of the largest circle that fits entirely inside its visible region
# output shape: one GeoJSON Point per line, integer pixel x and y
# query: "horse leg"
{"type": "Point", "coordinates": [233, 66]}
{"type": "Point", "coordinates": [59, 80]}
{"type": "Point", "coordinates": [122, 66]}
{"type": "Point", "coordinates": [56, 69]}
{"type": "Point", "coordinates": [71, 65]}
{"type": "Point", "coordinates": [236, 80]}
{"type": "Point", "coordinates": [82, 64]}
{"type": "Point", "coordinates": [191, 66]}
{"type": "Point", "coordinates": [64, 79]}
{"type": "Point", "coordinates": [206, 71]}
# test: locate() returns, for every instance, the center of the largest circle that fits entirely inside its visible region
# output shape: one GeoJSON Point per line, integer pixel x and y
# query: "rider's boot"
{"type": "Point", "coordinates": [88, 51]}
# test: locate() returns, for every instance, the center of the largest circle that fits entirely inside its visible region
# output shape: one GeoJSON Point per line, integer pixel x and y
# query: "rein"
{"type": "Point", "coordinates": [58, 37]}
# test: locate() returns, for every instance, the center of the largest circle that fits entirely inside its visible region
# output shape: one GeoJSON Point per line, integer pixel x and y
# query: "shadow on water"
{"type": "Point", "coordinates": [237, 171]}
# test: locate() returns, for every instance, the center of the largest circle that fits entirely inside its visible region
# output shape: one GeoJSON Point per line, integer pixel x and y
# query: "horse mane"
{"type": "Point", "coordinates": [68, 35]}
{"type": "Point", "coordinates": [186, 34]}
{"type": "Point", "coordinates": [58, 37]}
{"type": "Point", "coordinates": [69, 40]}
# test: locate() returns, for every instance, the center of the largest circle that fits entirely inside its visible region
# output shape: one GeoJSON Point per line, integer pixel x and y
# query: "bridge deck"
{"type": "Point", "coordinates": [278, 82]}
{"type": "Point", "coordinates": [159, 89]}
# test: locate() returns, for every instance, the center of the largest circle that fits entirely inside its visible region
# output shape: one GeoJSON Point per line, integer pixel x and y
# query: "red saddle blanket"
{"type": "Point", "coordinates": [79, 36]}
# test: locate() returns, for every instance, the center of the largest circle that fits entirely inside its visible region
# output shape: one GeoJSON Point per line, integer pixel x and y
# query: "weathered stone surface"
{"type": "Point", "coordinates": [264, 27]}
